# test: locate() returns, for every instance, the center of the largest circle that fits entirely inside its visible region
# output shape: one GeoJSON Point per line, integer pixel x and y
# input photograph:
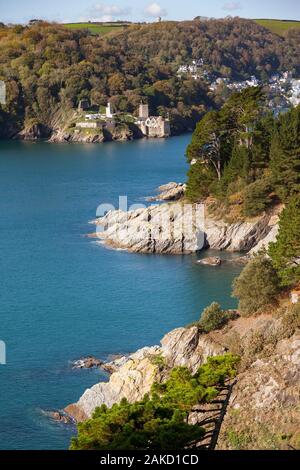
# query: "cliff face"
{"type": "Point", "coordinates": [33, 132]}
{"type": "Point", "coordinates": [121, 132]}
{"type": "Point", "coordinates": [263, 411]}
{"type": "Point", "coordinates": [181, 228]}
{"type": "Point", "coordinates": [61, 128]}
{"type": "Point", "coordinates": [134, 378]}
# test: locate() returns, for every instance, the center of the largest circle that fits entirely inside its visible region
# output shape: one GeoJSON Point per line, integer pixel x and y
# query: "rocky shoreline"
{"type": "Point", "coordinates": [265, 394]}
{"type": "Point", "coordinates": [181, 228]}
{"type": "Point", "coordinates": [120, 133]}
{"type": "Point", "coordinates": [135, 374]}
{"type": "Point", "coordinates": [267, 386]}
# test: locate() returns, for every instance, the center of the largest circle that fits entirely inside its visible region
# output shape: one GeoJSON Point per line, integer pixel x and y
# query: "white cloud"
{"type": "Point", "coordinates": [155, 10]}
{"type": "Point", "coordinates": [232, 6]}
{"type": "Point", "coordinates": [105, 12]}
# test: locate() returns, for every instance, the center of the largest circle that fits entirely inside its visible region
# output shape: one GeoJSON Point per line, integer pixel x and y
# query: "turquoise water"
{"type": "Point", "coordinates": [62, 295]}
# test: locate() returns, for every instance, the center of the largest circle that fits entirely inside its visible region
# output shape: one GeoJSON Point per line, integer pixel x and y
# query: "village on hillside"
{"type": "Point", "coordinates": [282, 89]}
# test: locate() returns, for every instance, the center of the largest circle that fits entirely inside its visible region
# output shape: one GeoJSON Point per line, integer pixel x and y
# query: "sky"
{"type": "Point", "coordinates": [20, 11]}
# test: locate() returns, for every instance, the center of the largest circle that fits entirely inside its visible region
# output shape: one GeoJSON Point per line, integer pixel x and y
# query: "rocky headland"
{"type": "Point", "coordinates": [182, 228]}
{"type": "Point", "coordinates": [119, 133]}
{"type": "Point", "coordinates": [62, 128]}
{"type": "Point", "coordinates": [264, 401]}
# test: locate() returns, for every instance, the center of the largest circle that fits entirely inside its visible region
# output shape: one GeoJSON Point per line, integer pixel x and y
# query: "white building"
{"type": "Point", "coordinates": [109, 112]}
{"type": "Point", "coordinates": [90, 124]}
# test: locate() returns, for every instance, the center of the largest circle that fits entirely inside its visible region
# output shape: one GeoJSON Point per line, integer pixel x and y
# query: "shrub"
{"type": "Point", "coordinates": [290, 321]}
{"type": "Point", "coordinates": [159, 421]}
{"type": "Point", "coordinates": [214, 318]}
{"type": "Point", "coordinates": [138, 426]}
{"type": "Point", "coordinates": [257, 286]}
{"type": "Point", "coordinates": [182, 390]}
{"type": "Point", "coordinates": [257, 197]}
{"type": "Point", "coordinates": [217, 369]}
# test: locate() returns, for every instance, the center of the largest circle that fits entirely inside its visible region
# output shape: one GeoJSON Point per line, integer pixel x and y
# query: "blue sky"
{"type": "Point", "coordinates": [143, 10]}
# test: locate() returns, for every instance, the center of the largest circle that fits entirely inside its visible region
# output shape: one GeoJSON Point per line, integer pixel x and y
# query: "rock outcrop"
{"type": "Point", "coordinates": [64, 136]}
{"type": "Point", "coordinates": [178, 228]}
{"type": "Point", "coordinates": [264, 406]}
{"type": "Point", "coordinates": [95, 136]}
{"type": "Point", "coordinates": [270, 238]}
{"type": "Point", "coordinates": [88, 362]}
{"type": "Point", "coordinates": [33, 132]}
{"type": "Point", "coordinates": [211, 261]}
{"type": "Point", "coordinates": [131, 381]}
{"type": "Point", "coordinates": [263, 412]}
{"type": "Point", "coordinates": [134, 378]}
{"type": "Point", "coordinates": [169, 192]}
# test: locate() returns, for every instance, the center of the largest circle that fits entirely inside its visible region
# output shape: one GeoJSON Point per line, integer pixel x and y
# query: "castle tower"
{"type": "Point", "coordinates": [143, 111]}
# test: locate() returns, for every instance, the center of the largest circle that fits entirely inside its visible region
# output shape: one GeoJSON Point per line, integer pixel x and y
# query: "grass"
{"type": "Point", "coordinates": [278, 26]}
{"type": "Point", "coordinates": [97, 28]}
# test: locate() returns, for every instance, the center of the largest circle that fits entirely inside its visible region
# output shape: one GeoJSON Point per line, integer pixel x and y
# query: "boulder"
{"type": "Point", "coordinates": [87, 363]}
{"type": "Point", "coordinates": [211, 261]}
{"type": "Point", "coordinates": [60, 416]}
{"type": "Point", "coordinates": [169, 192]}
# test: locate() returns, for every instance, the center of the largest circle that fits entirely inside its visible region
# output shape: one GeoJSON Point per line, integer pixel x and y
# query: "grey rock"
{"type": "Point", "coordinates": [134, 378]}
{"type": "Point", "coordinates": [178, 228]}
{"type": "Point", "coordinates": [211, 261]}
{"type": "Point", "coordinates": [88, 362]}
{"type": "Point", "coordinates": [169, 192]}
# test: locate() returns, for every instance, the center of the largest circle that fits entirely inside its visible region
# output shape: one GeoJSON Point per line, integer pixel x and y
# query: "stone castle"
{"type": "Point", "coordinates": [152, 126]}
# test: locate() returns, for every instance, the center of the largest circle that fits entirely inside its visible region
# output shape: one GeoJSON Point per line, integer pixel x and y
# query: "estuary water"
{"type": "Point", "coordinates": [62, 295]}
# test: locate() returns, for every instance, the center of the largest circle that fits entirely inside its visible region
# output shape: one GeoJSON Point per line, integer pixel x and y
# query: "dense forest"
{"type": "Point", "coordinates": [246, 162]}
{"type": "Point", "coordinates": [244, 157]}
{"type": "Point", "coordinates": [47, 67]}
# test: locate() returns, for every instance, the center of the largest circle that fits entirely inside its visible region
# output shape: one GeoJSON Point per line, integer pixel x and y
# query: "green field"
{"type": "Point", "coordinates": [97, 28]}
{"type": "Point", "coordinates": [278, 26]}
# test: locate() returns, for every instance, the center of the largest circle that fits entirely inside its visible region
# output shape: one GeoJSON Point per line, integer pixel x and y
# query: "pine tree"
{"type": "Point", "coordinates": [242, 112]}
{"type": "Point", "coordinates": [207, 143]}
{"type": "Point", "coordinates": [285, 252]}
{"type": "Point", "coordinates": [260, 152]}
{"type": "Point", "coordinates": [200, 180]}
{"type": "Point", "coordinates": [237, 168]}
{"type": "Point", "coordinates": [285, 155]}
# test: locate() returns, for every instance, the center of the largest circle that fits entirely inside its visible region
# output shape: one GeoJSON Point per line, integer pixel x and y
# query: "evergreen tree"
{"type": "Point", "coordinates": [257, 286]}
{"type": "Point", "coordinates": [144, 425]}
{"type": "Point", "coordinates": [285, 154]}
{"type": "Point", "coordinates": [242, 112]}
{"type": "Point", "coordinates": [260, 152]}
{"type": "Point", "coordinates": [257, 197]}
{"type": "Point", "coordinates": [158, 421]}
{"type": "Point", "coordinates": [208, 141]}
{"type": "Point", "coordinates": [285, 252]}
{"type": "Point", "coordinates": [200, 180]}
{"type": "Point", "coordinates": [236, 170]}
